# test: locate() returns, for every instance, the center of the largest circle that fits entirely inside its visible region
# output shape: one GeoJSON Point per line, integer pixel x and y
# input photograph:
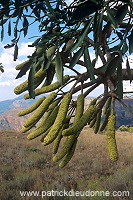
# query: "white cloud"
{"type": "Point", "coordinates": [7, 79]}
{"type": "Point", "coordinates": [24, 50]}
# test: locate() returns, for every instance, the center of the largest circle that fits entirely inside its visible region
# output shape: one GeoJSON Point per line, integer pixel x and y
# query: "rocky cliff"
{"type": "Point", "coordinates": [10, 121]}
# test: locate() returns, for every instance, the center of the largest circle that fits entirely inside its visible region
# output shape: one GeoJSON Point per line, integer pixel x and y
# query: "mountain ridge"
{"type": "Point", "coordinates": [9, 120]}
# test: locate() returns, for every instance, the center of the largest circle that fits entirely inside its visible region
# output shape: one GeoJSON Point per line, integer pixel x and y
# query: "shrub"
{"type": "Point", "coordinates": [125, 128]}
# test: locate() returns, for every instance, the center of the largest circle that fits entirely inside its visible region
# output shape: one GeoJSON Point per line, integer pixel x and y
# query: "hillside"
{"type": "Point", "coordinates": [15, 103]}
{"type": "Point", "coordinates": [10, 121]}
{"type": "Point", "coordinates": [28, 166]}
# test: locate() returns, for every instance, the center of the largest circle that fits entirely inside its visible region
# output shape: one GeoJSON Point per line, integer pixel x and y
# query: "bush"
{"type": "Point", "coordinates": [126, 128]}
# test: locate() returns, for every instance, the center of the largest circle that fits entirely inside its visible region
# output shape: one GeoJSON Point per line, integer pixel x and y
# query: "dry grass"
{"type": "Point", "coordinates": [27, 165]}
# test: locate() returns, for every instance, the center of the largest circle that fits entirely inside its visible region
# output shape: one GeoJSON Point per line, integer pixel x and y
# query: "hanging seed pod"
{"type": "Point", "coordinates": [65, 148]}
{"type": "Point", "coordinates": [92, 123]}
{"type": "Point", "coordinates": [32, 108]}
{"type": "Point", "coordinates": [44, 125]}
{"type": "Point", "coordinates": [79, 108]}
{"type": "Point", "coordinates": [40, 110]}
{"type": "Point", "coordinates": [108, 104]}
{"type": "Point", "coordinates": [93, 102]}
{"type": "Point", "coordinates": [25, 129]}
{"type": "Point", "coordinates": [81, 122]}
{"type": "Point", "coordinates": [48, 88]}
{"type": "Point", "coordinates": [69, 155]}
{"type": "Point", "coordinates": [98, 120]}
{"type": "Point", "coordinates": [38, 78]}
{"type": "Point", "coordinates": [104, 124]}
{"type": "Point", "coordinates": [45, 134]}
{"type": "Point", "coordinates": [57, 141]}
{"type": "Point", "coordinates": [24, 64]}
{"type": "Point", "coordinates": [54, 104]}
{"type": "Point", "coordinates": [59, 119]}
{"type": "Point", "coordinates": [59, 137]}
{"type": "Point", "coordinates": [111, 141]}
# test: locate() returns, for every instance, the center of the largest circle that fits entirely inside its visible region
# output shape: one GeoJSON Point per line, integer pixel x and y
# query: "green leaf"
{"type": "Point", "coordinates": [1, 68]}
{"type": "Point", "coordinates": [97, 32]}
{"type": "Point", "coordinates": [31, 82]}
{"type": "Point", "coordinates": [47, 64]}
{"type": "Point", "coordinates": [17, 3]}
{"type": "Point", "coordinates": [15, 28]}
{"type": "Point", "coordinates": [59, 68]}
{"type": "Point", "coordinates": [115, 48]}
{"type": "Point", "coordinates": [111, 17]}
{"type": "Point", "coordinates": [88, 64]}
{"type": "Point", "coordinates": [113, 65]}
{"type": "Point", "coordinates": [121, 13]}
{"type": "Point", "coordinates": [3, 21]}
{"type": "Point", "coordinates": [9, 28]}
{"type": "Point", "coordinates": [35, 43]}
{"type": "Point", "coordinates": [105, 66]}
{"type": "Point", "coordinates": [128, 70]}
{"type": "Point", "coordinates": [76, 57]}
{"type": "Point", "coordinates": [50, 52]}
{"type": "Point", "coordinates": [2, 33]}
{"type": "Point", "coordinates": [130, 38]}
{"type": "Point", "coordinates": [15, 52]}
{"type": "Point", "coordinates": [119, 82]}
{"type": "Point", "coordinates": [83, 9]}
{"type": "Point", "coordinates": [83, 35]}
{"type": "Point", "coordinates": [24, 69]}
{"type": "Point", "coordinates": [49, 74]}
{"type": "Point", "coordinates": [42, 60]}
{"type": "Point", "coordinates": [124, 48]}
{"type": "Point", "coordinates": [25, 26]}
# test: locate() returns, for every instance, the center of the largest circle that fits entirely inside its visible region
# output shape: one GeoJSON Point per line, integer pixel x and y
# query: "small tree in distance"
{"type": "Point", "coordinates": [69, 34]}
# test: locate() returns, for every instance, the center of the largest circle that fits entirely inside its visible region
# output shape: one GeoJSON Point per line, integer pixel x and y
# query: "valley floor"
{"type": "Point", "coordinates": [28, 166]}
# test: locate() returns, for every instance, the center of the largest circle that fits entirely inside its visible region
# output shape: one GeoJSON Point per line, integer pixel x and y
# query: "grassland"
{"type": "Point", "coordinates": [27, 166]}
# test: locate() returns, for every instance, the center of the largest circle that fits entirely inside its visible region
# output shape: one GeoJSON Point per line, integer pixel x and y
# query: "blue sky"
{"type": "Point", "coordinates": [7, 79]}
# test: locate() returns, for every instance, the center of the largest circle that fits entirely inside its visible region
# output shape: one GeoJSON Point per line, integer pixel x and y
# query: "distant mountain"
{"type": "Point", "coordinates": [9, 119]}
{"type": "Point", "coordinates": [18, 102]}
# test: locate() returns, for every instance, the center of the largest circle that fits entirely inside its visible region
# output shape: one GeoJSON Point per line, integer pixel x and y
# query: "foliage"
{"type": "Point", "coordinates": [126, 128]}
{"type": "Point", "coordinates": [69, 33]}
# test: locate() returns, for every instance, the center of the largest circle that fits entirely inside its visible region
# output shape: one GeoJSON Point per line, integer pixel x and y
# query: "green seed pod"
{"type": "Point", "coordinates": [107, 104]}
{"type": "Point", "coordinates": [54, 104]}
{"type": "Point", "coordinates": [69, 155]}
{"type": "Point", "coordinates": [59, 137]}
{"type": "Point", "coordinates": [40, 110]}
{"type": "Point", "coordinates": [31, 108]}
{"type": "Point", "coordinates": [24, 64]}
{"type": "Point", "coordinates": [39, 76]}
{"type": "Point", "coordinates": [98, 120]}
{"type": "Point", "coordinates": [93, 102]}
{"type": "Point", "coordinates": [65, 148]}
{"type": "Point", "coordinates": [24, 129]}
{"type": "Point", "coordinates": [57, 141]}
{"type": "Point", "coordinates": [81, 122]}
{"type": "Point", "coordinates": [104, 124]}
{"type": "Point", "coordinates": [111, 141]}
{"type": "Point", "coordinates": [50, 52]}
{"type": "Point", "coordinates": [44, 125]}
{"type": "Point", "coordinates": [48, 88]}
{"type": "Point", "coordinates": [92, 123]}
{"type": "Point", "coordinates": [59, 119]}
{"type": "Point", "coordinates": [79, 108]}
{"type": "Point", "coordinates": [44, 134]}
